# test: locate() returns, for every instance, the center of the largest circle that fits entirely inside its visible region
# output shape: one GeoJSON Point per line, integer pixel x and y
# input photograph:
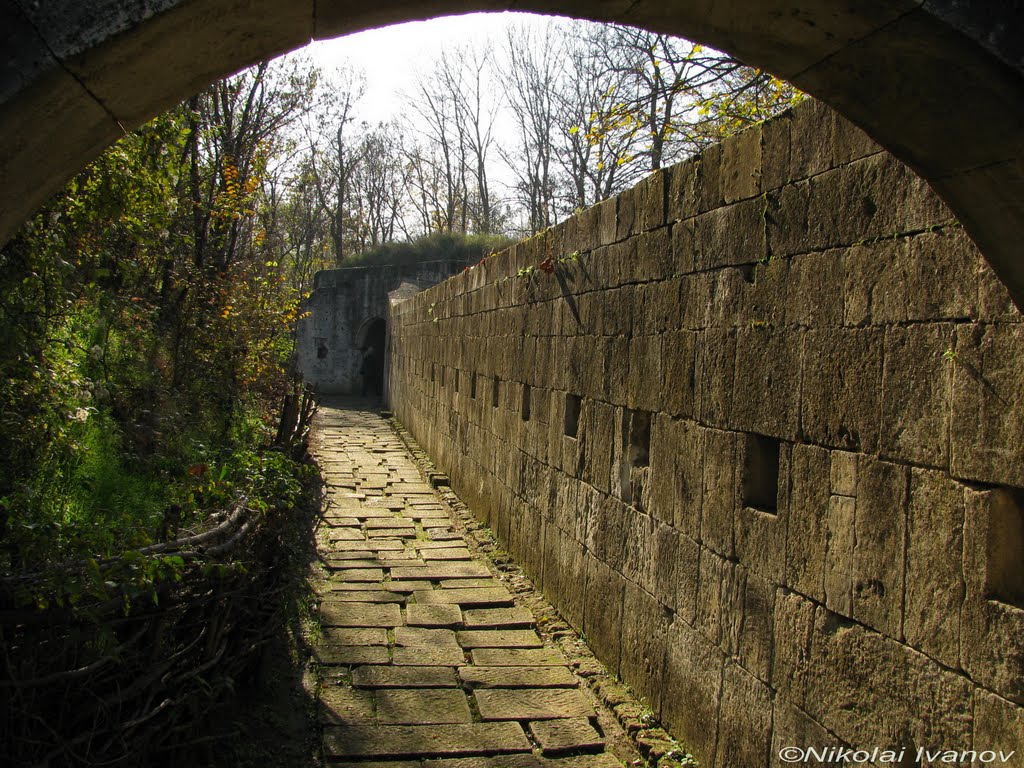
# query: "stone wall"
{"type": "Point", "coordinates": [759, 436]}
{"type": "Point", "coordinates": [339, 314]}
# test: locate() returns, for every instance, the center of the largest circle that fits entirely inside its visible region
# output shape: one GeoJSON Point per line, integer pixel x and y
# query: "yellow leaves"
{"type": "Point", "coordinates": [574, 130]}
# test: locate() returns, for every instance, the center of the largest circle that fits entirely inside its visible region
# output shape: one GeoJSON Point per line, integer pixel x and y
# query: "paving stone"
{"type": "Point", "coordinates": [531, 704]}
{"type": "Point", "coordinates": [340, 522]}
{"type": "Point", "coordinates": [424, 740]}
{"type": "Point", "coordinates": [407, 585]}
{"type": "Point", "coordinates": [341, 572]}
{"type": "Point", "coordinates": [367, 546]}
{"type": "Point", "coordinates": [425, 638]}
{"type": "Point", "coordinates": [333, 636]}
{"type": "Point", "coordinates": [442, 534]}
{"type": "Point", "coordinates": [517, 677]}
{"type": "Point", "coordinates": [404, 677]}
{"type": "Point", "coordinates": [335, 614]}
{"type": "Point", "coordinates": [433, 615]}
{"type": "Point", "coordinates": [419, 656]}
{"type": "Point", "coordinates": [499, 638]}
{"type": "Point", "coordinates": [505, 761]}
{"type": "Point", "coordinates": [361, 559]}
{"type": "Point", "coordinates": [350, 655]}
{"type": "Point", "coordinates": [377, 523]}
{"type": "Point", "coordinates": [471, 584]}
{"type": "Point", "coordinates": [465, 597]}
{"type": "Point", "coordinates": [391, 533]}
{"type": "Point", "coordinates": [365, 596]}
{"type": "Point", "coordinates": [346, 534]}
{"type": "Point", "coordinates": [444, 553]}
{"type": "Point", "coordinates": [400, 706]}
{"type": "Point", "coordinates": [378, 764]}
{"type": "Point", "coordinates": [442, 571]}
{"type": "Point", "coordinates": [497, 618]}
{"type": "Point", "coordinates": [426, 544]}
{"type": "Point", "coordinates": [557, 737]}
{"type": "Point", "coordinates": [517, 657]}
{"type": "Point", "coordinates": [341, 705]}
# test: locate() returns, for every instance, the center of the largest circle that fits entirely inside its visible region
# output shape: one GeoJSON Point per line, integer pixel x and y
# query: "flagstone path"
{"type": "Point", "coordinates": [427, 661]}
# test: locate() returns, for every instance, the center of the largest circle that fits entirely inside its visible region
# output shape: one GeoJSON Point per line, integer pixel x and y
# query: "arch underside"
{"type": "Point", "coordinates": [937, 82]}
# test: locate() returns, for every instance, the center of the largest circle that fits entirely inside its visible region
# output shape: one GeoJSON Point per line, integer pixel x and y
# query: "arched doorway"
{"type": "Point", "coordinates": [75, 78]}
{"type": "Point", "coordinates": [371, 341]}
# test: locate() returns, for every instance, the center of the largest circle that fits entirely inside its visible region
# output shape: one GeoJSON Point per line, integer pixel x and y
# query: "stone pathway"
{"type": "Point", "coordinates": [427, 661]}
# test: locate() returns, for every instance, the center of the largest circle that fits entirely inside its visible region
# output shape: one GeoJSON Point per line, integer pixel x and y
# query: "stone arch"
{"type": "Point", "coordinates": [937, 82]}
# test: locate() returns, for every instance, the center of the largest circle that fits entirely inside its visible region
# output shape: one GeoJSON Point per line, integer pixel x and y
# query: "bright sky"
{"type": "Point", "coordinates": [393, 57]}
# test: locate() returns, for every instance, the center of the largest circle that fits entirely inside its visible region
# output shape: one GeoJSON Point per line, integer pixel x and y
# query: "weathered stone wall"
{"type": "Point", "coordinates": [338, 313]}
{"type": "Point", "coordinates": [759, 436]}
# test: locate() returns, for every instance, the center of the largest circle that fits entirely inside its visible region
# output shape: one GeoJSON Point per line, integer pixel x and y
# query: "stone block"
{"type": "Point", "coordinates": [775, 160]}
{"type": "Point", "coordinates": [645, 623]}
{"type": "Point", "coordinates": [397, 706]}
{"type": "Point", "coordinates": [395, 741]}
{"type": "Point", "coordinates": [709, 191]}
{"type": "Point", "coordinates": [517, 657]}
{"type": "Point", "coordinates": [793, 624]}
{"type": "Point", "coordinates": [606, 533]}
{"type": "Point", "coordinates": [785, 220]}
{"type": "Point", "coordinates": [745, 719]}
{"type": "Point", "coordinates": [602, 615]}
{"type": "Point", "coordinates": [741, 165]}
{"type": "Point", "coordinates": [998, 725]}
{"type": "Point", "coordinates": [992, 620]}
{"type": "Point", "coordinates": [638, 558]}
{"type": "Point", "coordinates": [810, 144]}
{"type": "Point", "coordinates": [645, 373]}
{"type": "Point", "coordinates": [792, 727]}
{"type": "Point", "coordinates": [935, 580]}
{"type": "Point", "coordinates": [764, 294]}
{"type": "Point", "coordinates": [682, 190]}
{"type": "Point", "coordinates": [683, 246]}
{"type": "Point", "coordinates": [679, 385]}
{"type": "Point", "coordinates": [987, 433]}
{"type": "Point", "coordinates": [842, 376]}
{"type": "Point", "coordinates": [879, 551]}
{"type": "Point", "coordinates": [869, 689]}
{"type": "Point", "coordinates": [687, 573]}
{"type": "Point", "coordinates": [731, 235]}
{"type": "Point", "coordinates": [531, 704]}
{"type": "Point", "coordinates": [661, 308]}
{"type": "Point", "coordinates": [597, 463]}
{"type": "Point", "coordinates": [807, 524]}
{"type": "Point", "coordinates": [718, 504]}
{"type": "Point", "coordinates": [664, 561]}
{"type": "Point", "coordinates": [839, 554]}
{"type": "Point", "coordinates": [517, 677]}
{"type": "Point", "coordinates": [694, 677]}
{"type": "Point", "coordinates": [766, 396]}
{"type": "Point", "coordinates": [876, 196]}
{"type": "Point", "coordinates": [716, 365]}
{"type": "Point", "coordinates": [341, 705]}
{"type": "Point", "coordinates": [404, 677]}
{"type": "Point", "coordinates": [815, 298]}
{"type": "Point", "coordinates": [557, 737]}
{"type": "Point", "coordinates": [719, 610]}
{"type": "Point", "coordinates": [757, 628]}
{"type": "Point", "coordinates": [916, 394]}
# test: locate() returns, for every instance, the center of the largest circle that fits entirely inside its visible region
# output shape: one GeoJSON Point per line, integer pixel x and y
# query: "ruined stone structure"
{"type": "Point", "coordinates": [345, 320]}
{"type": "Point", "coordinates": [759, 436]}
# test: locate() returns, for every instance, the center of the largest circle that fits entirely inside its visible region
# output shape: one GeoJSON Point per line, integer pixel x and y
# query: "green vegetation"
{"type": "Point", "coordinates": [148, 326]}
{"type": "Point", "coordinates": [439, 246]}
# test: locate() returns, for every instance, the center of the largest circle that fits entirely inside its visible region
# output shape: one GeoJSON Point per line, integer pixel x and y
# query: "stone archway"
{"type": "Point", "coordinates": [371, 341]}
{"type": "Point", "coordinates": [937, 82]}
